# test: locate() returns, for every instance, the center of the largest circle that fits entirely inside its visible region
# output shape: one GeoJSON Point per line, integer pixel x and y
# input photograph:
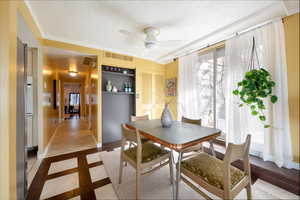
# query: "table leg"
{"type": "Point", "coordinates": [172, 173]}
{"type": "Point", "coordinates": [178, 175]}
{"type": "Point", "coordinates": [212, 148]}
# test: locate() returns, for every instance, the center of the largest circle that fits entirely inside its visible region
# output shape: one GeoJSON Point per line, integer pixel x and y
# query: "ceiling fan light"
{"type": "Point", "coordinates": [73, 73]}
{"type": "Point", "coordinates": [149, 45]}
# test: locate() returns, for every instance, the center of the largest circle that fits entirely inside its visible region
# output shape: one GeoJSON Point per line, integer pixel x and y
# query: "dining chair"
{"type": "Point", "coordinates": [138, 118]}
{"type": "Point", "coordinates": [143, 156]}
{"type": "Point", "coordinates": [191, 121]}
{"type": "Point", "coordinates": [219, 177]}
{"type": "Point", "coordinates": [198, 146]}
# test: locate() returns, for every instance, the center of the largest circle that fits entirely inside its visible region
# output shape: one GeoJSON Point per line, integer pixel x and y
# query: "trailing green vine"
{"type": "Point", "coordinates": [256, 85]}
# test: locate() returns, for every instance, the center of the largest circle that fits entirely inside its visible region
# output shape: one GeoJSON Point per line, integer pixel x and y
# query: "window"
{"type": "Point", "coordinates": [74, 99]}
{"type": "Point", "coordinates": [210, 83]}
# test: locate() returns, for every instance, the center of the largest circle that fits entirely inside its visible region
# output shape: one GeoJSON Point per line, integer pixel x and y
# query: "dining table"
{"type": "Point", "coordinates": [177, 138]}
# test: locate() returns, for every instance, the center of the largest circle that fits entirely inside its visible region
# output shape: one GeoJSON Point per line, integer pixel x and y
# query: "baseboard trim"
{"type": "Point", "coordinates": [44, 154]}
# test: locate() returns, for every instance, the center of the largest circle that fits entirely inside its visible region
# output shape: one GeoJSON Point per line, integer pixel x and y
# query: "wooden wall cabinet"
{"type": "Point", "coordinates": [150, 97]}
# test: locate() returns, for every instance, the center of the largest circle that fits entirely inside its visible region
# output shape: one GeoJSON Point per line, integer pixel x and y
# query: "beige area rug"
{"type": "Point", "coordinates": [156, 185]}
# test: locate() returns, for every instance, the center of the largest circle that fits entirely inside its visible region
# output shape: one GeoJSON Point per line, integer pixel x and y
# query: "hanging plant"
{"type": "Point", "coordinates": [256, 86]}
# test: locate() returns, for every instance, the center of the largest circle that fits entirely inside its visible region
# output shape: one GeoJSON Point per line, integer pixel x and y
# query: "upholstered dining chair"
{"type": "Point", "coordinates": [219, 177]}
{"type": "Point", "coordinates": [198, 146]}
{"type": "Point", "coordinates": [143, 156]}
{"type": "Point", "coordinates": [138, 118]}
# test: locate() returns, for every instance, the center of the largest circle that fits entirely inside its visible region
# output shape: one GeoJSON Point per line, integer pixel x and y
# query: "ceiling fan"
{"type": "Point", "coordinates": [150, 39]}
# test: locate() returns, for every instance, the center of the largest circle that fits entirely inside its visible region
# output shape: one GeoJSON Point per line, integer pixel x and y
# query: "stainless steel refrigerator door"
{"type": "Point", "coordinates": [20, 123]}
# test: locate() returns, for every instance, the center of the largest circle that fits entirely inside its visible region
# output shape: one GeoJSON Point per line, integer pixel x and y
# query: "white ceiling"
{"type": "Point", "coordinates": [97, 23]}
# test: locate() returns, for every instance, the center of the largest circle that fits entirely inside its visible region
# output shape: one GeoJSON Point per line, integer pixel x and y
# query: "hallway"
{"type": "Point", "coordinates": [71, 135]}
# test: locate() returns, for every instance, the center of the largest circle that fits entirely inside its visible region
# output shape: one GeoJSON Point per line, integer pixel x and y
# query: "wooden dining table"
{"type": "Point", "coordinates": [178, 137]}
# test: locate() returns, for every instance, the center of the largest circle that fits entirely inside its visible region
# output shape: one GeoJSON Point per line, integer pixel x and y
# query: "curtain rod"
{"type": "Point", "coordinates": [232, 36]}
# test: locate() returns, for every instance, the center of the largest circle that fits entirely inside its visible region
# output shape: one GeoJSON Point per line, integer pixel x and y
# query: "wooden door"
{"type": "Point", "coordinates": [150, 96]}
{"type": "Point", "coordinates": [158, 95]}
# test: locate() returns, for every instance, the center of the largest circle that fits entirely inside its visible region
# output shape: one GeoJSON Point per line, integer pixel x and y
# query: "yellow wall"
{"type": "Point", "coordinates": [95, 103]}
{"type": "Point", "coordinates": [172, 72]}
{"type": "Point", "coordinates": [50, 115]}
{"type": "Point", "coordinates": [150, 87]}
{"type": "Point", "coordinates": [8, 36]}
{"type": "Point", "coordinates": [291, 26]}
{"type": "Point", "coordinates": [8, 55]}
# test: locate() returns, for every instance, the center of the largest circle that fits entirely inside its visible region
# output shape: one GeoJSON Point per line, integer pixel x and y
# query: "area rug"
{"type": "Point", "coordinates": [157, 185]}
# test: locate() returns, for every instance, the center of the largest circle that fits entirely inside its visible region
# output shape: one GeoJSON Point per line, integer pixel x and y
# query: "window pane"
{"type": "Point", "coordinates": [220, 98]}
{"type": "Point", "coordinates": [206, 88]}
{"type": "Point", "coordinates": [74, 99]}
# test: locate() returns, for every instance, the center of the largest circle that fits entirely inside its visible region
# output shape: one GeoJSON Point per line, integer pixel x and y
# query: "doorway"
{"type": "Point", "coordinates": [73, 94]}
{"type": "Point", "coordinates": [72, 71]}
{"type": "Point", "coordinates": [74, 104]}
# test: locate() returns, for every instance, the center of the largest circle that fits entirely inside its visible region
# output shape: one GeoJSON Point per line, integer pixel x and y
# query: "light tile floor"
{"type": "Point", "coordinates": [70, 136]}
{"type": "Point", "coordinates": [97, 173]}
{"type": "Point", "coordinates": [94, 157]}
{"type": "Point", "coordinates": [60, 185]}
{"type": "Point", "coordinates": [105, 193]}
{"type": "Point", "coordinates": [63, 165]}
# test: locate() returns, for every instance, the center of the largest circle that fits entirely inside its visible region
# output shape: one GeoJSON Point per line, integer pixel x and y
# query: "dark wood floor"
{"type": "Point", "coordinates": [86, 186]}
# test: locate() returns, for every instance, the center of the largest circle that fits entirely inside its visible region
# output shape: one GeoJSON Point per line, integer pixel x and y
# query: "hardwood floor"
{"type": "Point", "coordinates": [72, 168]}
{"type": "Point", "coordinates": [86, 187]}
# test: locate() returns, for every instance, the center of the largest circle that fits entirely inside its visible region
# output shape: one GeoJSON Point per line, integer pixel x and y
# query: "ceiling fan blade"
{"type": "Point", "coordinates": [171, 42]}
{"type": "Point", "coordinates": [126, 32]}
{"type": "Point", "coordinates": [131, 34]}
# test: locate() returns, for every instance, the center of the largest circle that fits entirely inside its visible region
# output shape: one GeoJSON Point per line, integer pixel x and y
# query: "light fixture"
{"type": "Point", "coordinates": [73, 73]}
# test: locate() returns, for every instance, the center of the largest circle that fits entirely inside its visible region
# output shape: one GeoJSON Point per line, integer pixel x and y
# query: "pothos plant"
{"type": "Point", "coordinates": [256, 85]}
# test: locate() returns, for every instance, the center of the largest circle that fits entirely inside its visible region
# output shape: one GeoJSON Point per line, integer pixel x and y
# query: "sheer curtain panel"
{"type": "Point", "coordinates": [195, 87]}
{"type": "Point", "coordinates": [274, 143]}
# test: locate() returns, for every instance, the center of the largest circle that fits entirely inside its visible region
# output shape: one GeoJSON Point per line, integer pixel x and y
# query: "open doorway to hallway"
{"type": "Point", "coordinates": [68, 119]}
{"type": "Point", "coordinates": [72, 101]}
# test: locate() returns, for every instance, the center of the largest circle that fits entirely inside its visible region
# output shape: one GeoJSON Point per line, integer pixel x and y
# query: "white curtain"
{"type": "Point", "coordinates": [273, 144]}
{"type": "Point", "coordinates": [195, 89]}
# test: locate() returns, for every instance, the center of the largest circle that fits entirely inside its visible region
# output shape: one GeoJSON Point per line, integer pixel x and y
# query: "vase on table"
{"type": "Point", "coordinates": [166, 117]}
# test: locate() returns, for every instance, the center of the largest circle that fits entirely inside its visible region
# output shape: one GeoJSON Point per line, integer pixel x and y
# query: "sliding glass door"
{"type": "Point", "coordinates": [210, 88]}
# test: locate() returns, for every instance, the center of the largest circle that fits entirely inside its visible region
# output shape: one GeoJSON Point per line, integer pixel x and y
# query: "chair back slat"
{"type": "Point", "coordinates": [130, 134]}
{"type": "Point", "coordinates": [137, 118]}
{"type": "Point", "coordinates": [237, 151]}
{"type": "Point", "coordinates": [191, 121]}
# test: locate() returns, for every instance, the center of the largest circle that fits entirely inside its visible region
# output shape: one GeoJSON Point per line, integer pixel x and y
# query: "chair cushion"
{"type": "Point", "coordinates": [149, 152]}
{"type": "Point", "coordinates": [210, 169]}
